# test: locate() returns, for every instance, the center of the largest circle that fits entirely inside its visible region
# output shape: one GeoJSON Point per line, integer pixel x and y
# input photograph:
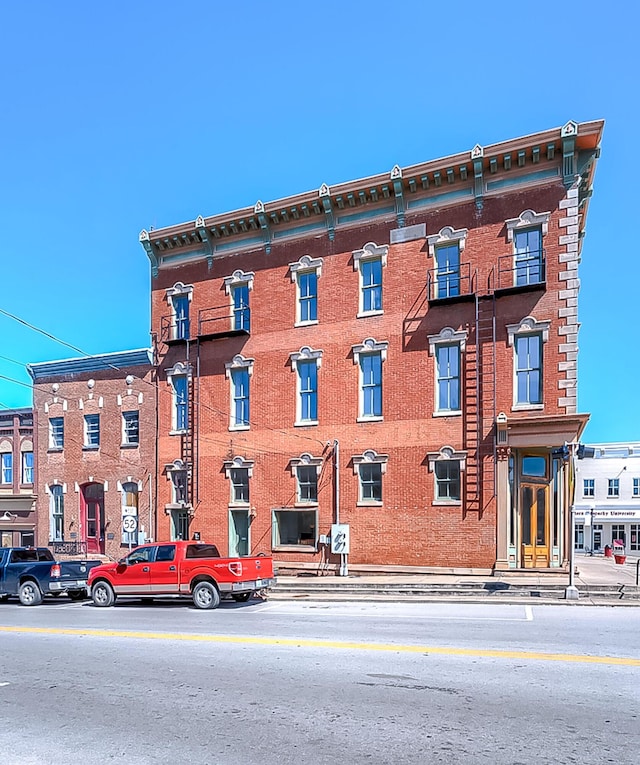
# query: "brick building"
{"type": "Point", "coordinates": [398, 353]}
{"type": "Point", "coordinates": [17, 498]}
{"type": "Point", "coordinates": [95, 425]}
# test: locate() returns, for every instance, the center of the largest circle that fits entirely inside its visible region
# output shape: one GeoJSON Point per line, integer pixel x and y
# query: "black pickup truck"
{"type": "Point", "coordinates": [32, 572]}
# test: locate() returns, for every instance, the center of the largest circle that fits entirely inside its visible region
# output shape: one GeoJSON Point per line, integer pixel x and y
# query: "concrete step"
{"type": "Point", "coordinates": [454, 591]}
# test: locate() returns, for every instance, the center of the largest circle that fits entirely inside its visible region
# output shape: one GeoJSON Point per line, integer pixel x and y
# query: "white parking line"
{"type": "Point", "coordinates": [282, 611]}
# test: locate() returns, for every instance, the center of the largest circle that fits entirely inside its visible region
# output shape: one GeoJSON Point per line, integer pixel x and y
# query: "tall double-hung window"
{"type": "Point", "coordinates": [370, 356]}
{"type": "Point", "coordinates": [305, 273]}
{"type": "Point", "coordinates": [306, 363]}
{"type": "Point", "coordinates": [447, 348]}
{"type": "Point", "coordinates": [445, 278]}
{"type": "Point", "coordinates": [56, 513]}
{"type": "Point", "coordinates": [448, 270]}
{"type": "Point", "coordinates": [239, 372]}
{"type": "Point", "coordinates": [178, 379]}
{"type": "Point", "coordinates": [238, 286]}
{"type": "Point", "coordinates": [370, 262]}
{"type": "Point", "coordinates": [91, 431]}
{"type": "Point", "coordinates": [528, 338]}
{"type": "Point", "coordinates": [526, 233]}
{"type": "Point", "coordinates": [179, 298]}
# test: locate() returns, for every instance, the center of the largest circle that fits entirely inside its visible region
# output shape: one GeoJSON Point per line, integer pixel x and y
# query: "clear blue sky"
{"type": "Point", "coordinates": [120, 116]}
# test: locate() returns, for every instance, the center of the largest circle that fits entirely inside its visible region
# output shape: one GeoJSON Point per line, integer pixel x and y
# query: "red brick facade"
{"type": "Point", "coordinates": [86, 486]}
{"type": "Point", "coordinates": [486, 526]}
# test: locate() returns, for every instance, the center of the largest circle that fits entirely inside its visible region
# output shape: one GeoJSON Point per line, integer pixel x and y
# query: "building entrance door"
{"type": "Point", "coordinates": [93, 516]}
{"type": "Point", "coordinates": [239, 533]}
{"type": "Point", "coordinates": [534, 525]}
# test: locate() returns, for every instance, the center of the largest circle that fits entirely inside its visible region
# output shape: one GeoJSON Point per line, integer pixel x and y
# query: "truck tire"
{"type": "Point", "coordinates": [103, 595]}
{"type": "Point", "coordinates": [29, 593]}
{"type": "Point", "coordinates": [206, 595]}
{"type": "Point", "coordinates": [77, 594]}
{"type": "Point", "coordinates": [242, 597]}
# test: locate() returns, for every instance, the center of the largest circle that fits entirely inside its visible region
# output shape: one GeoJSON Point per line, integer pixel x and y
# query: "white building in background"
{"type": "Point", "coordinates": [607, 498]}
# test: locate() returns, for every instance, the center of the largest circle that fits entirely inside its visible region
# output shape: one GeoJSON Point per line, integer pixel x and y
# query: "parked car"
{"type": "Point", "coordinates": [188, 569]}
{"type": "Point", "coordinates": [32, 572]}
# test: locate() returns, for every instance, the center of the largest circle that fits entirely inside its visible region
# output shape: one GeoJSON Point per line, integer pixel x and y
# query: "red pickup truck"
{"type": "Point", "coordinates": [190, 569]}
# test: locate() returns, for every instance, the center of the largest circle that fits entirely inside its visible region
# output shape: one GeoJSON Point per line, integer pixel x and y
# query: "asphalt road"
{"type": "Point", "coordinates": [291, 683]}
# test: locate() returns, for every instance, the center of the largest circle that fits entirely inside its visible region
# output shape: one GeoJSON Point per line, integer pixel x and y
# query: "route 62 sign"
{"type": "Point", "coordinates": [129, 524]}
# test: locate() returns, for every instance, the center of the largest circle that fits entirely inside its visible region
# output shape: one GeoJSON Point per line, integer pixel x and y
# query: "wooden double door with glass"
{"type": "Point", "coordinates": [534, 525]}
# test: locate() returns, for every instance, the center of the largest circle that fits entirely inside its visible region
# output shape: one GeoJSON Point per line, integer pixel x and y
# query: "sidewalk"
{"type": "Point", "coordinates": [599, 580]}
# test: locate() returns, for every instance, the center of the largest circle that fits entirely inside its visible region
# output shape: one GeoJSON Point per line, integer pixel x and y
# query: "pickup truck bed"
{"type": "Point", "coordinates": [32, 572]}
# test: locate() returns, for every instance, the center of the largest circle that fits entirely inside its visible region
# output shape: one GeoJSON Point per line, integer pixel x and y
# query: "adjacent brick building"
{"type": "Point", "coordinates": [95, 423]}
{"type": "Point", "coordinates": [17, 498]}
{"type": "Point", "coordinates": [397, 353]}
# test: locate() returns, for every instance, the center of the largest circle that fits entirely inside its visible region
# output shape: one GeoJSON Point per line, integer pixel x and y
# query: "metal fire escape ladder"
{"type": "Point", "coordinates": [480, 408]}
{"type": "Point", "coordinates": [188, 440]}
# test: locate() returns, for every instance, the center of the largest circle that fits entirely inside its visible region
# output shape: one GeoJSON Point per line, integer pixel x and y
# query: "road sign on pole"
{"type": "Point", "coordinates": [129, 524]}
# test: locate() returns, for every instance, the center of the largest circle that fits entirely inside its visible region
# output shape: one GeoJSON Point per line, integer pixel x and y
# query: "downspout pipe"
{"type": "Point", "coordinates": [336, 472]}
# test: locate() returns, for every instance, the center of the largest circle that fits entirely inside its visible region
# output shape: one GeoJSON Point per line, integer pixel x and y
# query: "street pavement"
{"type": "Point", "coordinates": [599, 580]}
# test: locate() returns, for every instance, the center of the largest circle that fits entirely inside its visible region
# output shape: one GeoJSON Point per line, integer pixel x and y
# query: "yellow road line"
{"type": "Point", "coordinates": [336, 644]}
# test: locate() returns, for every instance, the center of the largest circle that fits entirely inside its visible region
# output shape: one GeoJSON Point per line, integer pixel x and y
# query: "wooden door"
{"type": "Point", "coordinates": [534, 525]}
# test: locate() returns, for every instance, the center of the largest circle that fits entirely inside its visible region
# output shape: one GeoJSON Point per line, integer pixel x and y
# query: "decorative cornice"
{"type": "Point", "coordinates": [396, 179]}
{"type": "Point", "coordinates": [258, 210]}
{"type": "Point", "coordinates": [204, 236]}
{"type": "Point", "coordinates": [325, 196]}
{"type": "Point", "coordinates": [375, 197]}
{"type": "Point", "coordinates": [180, 289]}
{"type": "Point", "coordinates": [145, 241]}
{"type": "Point", "coordinates": [120, 360]}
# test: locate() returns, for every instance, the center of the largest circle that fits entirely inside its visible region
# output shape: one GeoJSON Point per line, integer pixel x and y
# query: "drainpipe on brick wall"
{"type": "Point", "coordinates": [336, 468]}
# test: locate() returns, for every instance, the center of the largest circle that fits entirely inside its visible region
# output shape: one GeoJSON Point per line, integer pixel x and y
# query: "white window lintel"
{"type": "Point", "coordinates": [306, 264]}
{"type": "Point", "coordinates": [447, 235]}
{"type": "Point", "coordinates": [238, 463]}
{"type": "Point", "coordinates": [448, 336]}
{"type": "Point", "coordinates": [370, 345]}
{"type": "Point", "coordinates": [371, 251]}
{"type": "Point", "coordinates": [306, 354]}
{"type": "Point", "coordinates": [368, 457]}
{"type": "Point", "coordinates": [528, 326]}
{"type": "Point", "coordinates": [528, 219]}
{"type": "Point", "coordinates": [448, 454]}
{"type": "Point", "coordinates": [239, 362]}
{"type": "Point", "coordinates": [238, 278]}
{"type": "Point", "coordinates": [179, 289]}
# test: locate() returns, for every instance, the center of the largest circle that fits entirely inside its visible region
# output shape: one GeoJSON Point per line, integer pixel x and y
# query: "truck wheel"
{"type": "Point", "coordinates": [77, 594]}
{"type": "Point", "coordinates": [103, 595]}
{"type": "Point", "coordinates": [29, 593]}
{"type": "Point", "coordinates": [206, 595]}
{"type": "Point", "coordinates": [242, 597]}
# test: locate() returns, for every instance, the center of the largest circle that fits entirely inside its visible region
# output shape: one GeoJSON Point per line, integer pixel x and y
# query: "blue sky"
{"type": "Point", "coordinates": [120, 116]}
